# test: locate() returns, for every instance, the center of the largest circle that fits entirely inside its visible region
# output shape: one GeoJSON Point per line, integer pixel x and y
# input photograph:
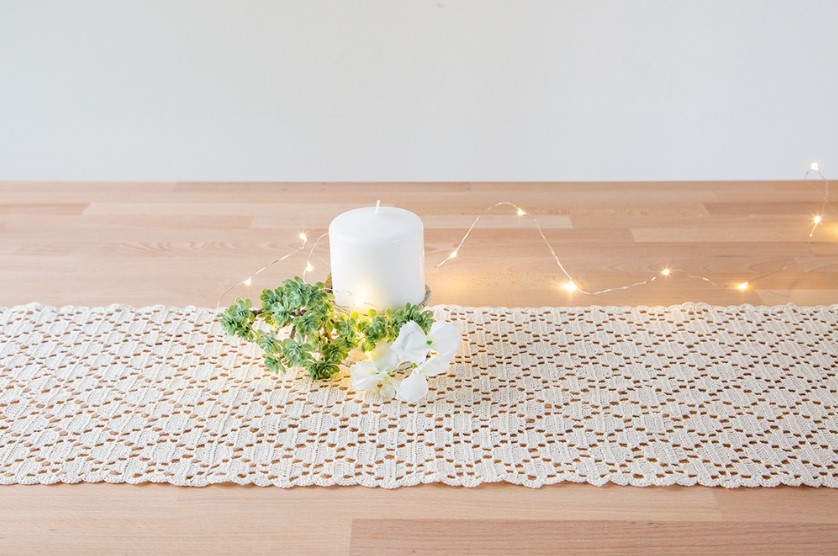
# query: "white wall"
{"type": "Point", "coordinates": [417, 90]}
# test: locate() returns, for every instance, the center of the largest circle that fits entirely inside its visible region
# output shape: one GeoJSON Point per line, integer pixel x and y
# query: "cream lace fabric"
{"type": "Point", "coordinates": [690, 394]}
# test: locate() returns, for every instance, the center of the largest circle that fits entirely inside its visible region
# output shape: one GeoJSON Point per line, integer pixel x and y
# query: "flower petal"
{"type": "Point", "coordinates": [384, 357]}
{"type": "Point", "coordinates": [413, 388]}
{"type": "Point", "coordinates": [389, 388]}
{"type": "Point", "coordinates": [365, 376]}
{"type": "Point", "coordinates": [412, 343]}
{"type": "Point", "coordinates": [435, 365]}
{"type": "Point", "coordinates": [445, 338]}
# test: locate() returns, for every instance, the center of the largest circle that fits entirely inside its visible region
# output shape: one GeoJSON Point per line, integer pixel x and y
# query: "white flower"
{"type": "Point", "coordinates": [413, 345]}
{"type": "Point", "coordinates": [375, 371]}
{"type": "Point", "coordinates": [389, 387]}
{"type": "Point", "coordinates": [415, 387]}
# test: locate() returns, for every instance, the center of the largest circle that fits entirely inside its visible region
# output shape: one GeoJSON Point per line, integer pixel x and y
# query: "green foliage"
{"type": "Point", "coordinates": [315, 336]}
{"type": "Point", "coordinates": [238, 319]}
{"type": "Point", "coordinates": [376, 327]}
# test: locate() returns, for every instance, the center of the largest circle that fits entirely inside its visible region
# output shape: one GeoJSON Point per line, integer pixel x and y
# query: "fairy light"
{"type": "Point", "coordinates": [455, 252]}
{"type": "Point", "coordinates": [359, 300]}
{"type": "Point", "coordinates": [570, 288]}
{"type": "Point", "coordinates": [309, 267]}
{"type": "Point", "coordinates": [247, 282]}
{"type": "Point", "coordinates": [818, 218]}
{"type": "Point", "coordinates": [570, 285]}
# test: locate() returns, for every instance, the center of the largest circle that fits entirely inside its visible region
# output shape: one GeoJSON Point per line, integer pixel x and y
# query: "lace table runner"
{"type": "Point", "coordinates": [690, 394]}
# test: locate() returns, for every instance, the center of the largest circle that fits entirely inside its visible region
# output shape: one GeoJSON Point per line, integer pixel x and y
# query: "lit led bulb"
{"type": "Point", "coordinates": [309, 267]}
{"type": "Point", "coordinates": [359, 303]}
{"type": "Point", "coordinates": [248, 282]}
{"type": "Point", "coordinates": [817, 219]}
{"type": "Point", "coordinates": [453, 254]}
{"type": "Point", "coordinates": [666, 271]}
{"type": "Point", "coordinates": [521, 212]}
{"type": "Point", "coordinates": [570, 286]}
{"type": "Point", "coordinates": [742, 286]}
{"type": "Point", "coordinates": [814, 167]}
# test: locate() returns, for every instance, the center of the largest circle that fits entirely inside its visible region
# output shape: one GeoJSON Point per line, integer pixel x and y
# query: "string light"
{"type": "Point", "coordinates": [249, 280]}
{"type": "Point", "coordinates": [570, 285]}
{"type": "Point", "coordinates": [818, 218]}
{"type": "Point", "coordinates": [359, 298]}
{"type": "Point", "coordinates": [456, 250]}
{"type": "Point", "coordinates": [309, 267]}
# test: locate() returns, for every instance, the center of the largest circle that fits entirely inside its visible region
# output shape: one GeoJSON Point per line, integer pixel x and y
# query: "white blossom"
{"type": "Point", "coordinates": [375, 371]}
{"type": "Point", "coordinates": [414, 345]}
{"type": "Point", "coordinates": [415, 386]}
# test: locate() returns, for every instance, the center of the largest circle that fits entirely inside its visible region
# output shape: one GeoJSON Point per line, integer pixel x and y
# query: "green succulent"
{"type": "Point", "coordinates": [303, 329]}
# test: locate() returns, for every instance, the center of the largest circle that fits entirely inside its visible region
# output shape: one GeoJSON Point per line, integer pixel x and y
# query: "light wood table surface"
{"type": "Point", "coordinates": [185, 243]}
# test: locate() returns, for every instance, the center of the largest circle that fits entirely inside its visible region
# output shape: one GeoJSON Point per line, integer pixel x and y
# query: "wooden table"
{"type": "Point", "coordinates": [185, 243]}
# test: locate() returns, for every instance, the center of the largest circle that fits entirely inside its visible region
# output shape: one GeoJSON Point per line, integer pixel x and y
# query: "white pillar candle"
{"type": "Point", "coordinates": [378, 258]}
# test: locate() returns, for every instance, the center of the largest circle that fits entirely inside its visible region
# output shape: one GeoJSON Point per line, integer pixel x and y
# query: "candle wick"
{"type": "Point", "coordinates": [377, 205]}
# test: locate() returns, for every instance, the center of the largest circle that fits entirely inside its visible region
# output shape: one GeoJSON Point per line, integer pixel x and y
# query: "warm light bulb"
{"type": "Point", "coordinates": [303, 237]}
{"type": "Point", "coordinates": [570, 286]}
{"type": "Point", "coordinates": [358, 303]}
{"type": "Point", "coordinates": [309, 267]}
{"type": "Point", "coordinates": [817, 219]}
{"type": "Point", "coordinates": [742, 286]}
{"type": "Point", "coordinates": [814, 167]}
{"type": "Point", "coordinates": [248, 282]}
{"type": "Point", "coordinates": [521, 212]}
{"type": "Point", "coordinates": [666, 272]}
{"type": "Point", "coordinates": [453, 254]}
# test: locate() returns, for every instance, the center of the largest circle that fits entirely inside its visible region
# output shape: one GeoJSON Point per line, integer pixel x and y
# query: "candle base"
{"type": "Point", "coordinates": [423, 304]}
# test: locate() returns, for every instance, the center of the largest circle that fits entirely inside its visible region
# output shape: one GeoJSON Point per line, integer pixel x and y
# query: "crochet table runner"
{"type": "Point", "coordinates": [689, 394]}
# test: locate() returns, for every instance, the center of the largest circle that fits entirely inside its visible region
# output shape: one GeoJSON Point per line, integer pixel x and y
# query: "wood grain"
{"type": "Point", "coordinates": [420, 537]}
{"type": "Point", "coordinates": [185, 243]}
